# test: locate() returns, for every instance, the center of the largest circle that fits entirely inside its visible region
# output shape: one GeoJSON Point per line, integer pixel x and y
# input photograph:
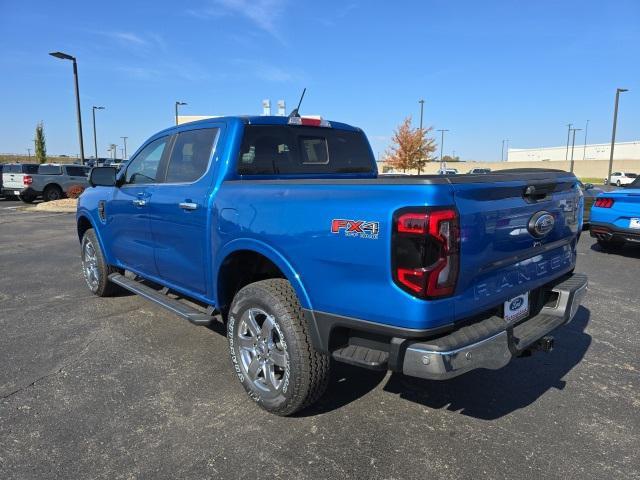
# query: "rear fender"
{"type": "Point", "coordinates": [272, 254]}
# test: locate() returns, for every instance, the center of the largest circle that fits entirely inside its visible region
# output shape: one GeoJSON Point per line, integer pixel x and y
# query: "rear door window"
{"type": "Point", "coordinates": [190, 155]}
{"type": "Point", "coordinates": [29, 168]}
{"type": "Point", "coordinates": [77, 171]}
{"type": "Point", "coordinates": [49, 170]}
{"type": "Point", "coordinates": [295, 150]}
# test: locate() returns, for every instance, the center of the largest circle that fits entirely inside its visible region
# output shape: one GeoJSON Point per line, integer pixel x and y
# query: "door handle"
{"type": "Point", "coordinates": [139, 202]}
{"type": "Point", "coordinates": [188, 205]}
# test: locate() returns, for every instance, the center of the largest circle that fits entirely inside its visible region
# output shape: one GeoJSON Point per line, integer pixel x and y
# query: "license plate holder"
{"type": "Point", "coordinates": [516, 308]}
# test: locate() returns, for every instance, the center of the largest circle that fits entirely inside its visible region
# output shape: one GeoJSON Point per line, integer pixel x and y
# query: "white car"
{"type": "Point", "coordinates": [448, 171]}
{"type": "Point", "coordinates": [621, 178]}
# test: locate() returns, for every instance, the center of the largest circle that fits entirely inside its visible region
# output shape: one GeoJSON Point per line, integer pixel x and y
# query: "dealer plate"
{"type": "Point", "coordinates": [516, 308]}
{"type": "Point", "coordinates": [634, 223]}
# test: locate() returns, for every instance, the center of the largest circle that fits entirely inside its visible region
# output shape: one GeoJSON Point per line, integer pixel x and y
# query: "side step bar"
{"type": "Point", "coordinates": [161, 298]}
{"type": "Point", "coordinates": [360, 356]}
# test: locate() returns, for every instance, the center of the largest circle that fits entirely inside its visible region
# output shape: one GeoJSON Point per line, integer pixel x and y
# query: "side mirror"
{"type": "Point", "coordinates": [103, 177]}
{"type": "Point", "coordinates": [588, 186]}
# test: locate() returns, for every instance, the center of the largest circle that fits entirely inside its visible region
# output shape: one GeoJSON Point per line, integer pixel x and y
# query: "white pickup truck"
{"type": "Point", "coordinates": [49, 181]}
{"type": "Point", "coordinates": [13, 178]}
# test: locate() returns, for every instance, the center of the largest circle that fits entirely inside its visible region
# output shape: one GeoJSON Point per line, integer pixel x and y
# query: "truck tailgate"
{"type": "Point", "coordinates": [517, 231]}
{"type": "Point", "coordinates": [13, 181]}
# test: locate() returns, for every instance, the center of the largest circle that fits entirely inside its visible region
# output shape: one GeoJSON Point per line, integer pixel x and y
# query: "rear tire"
{"type": "Point", "coordinates": [618, 183]}
{"type": "Point", "coordinates": [27, 198]}
{"type": "Point", "coordinates": [271, 348]}
{"type": "Point", "coordinates": [95, 269]}
{"type": "Point", "coordinates": [52, 192]}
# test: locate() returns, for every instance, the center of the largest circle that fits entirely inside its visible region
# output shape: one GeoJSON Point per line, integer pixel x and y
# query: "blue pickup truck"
{"type": "Point", "coordinates": [282, 228]}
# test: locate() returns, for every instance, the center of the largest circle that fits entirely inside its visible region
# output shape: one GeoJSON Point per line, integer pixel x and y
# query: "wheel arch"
{"type": "Point", "coordinates": [231, 274]}
{"type": "Point", "coordinates": [84, 223]}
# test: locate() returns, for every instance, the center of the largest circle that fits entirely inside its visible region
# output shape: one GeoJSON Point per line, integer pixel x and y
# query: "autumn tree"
{"type": "Point", "coordinates": [411, 147]}
{"type": "Point", "coordinates": [427, 147]}
{"type": "Point", "coordinates": [40, 144]}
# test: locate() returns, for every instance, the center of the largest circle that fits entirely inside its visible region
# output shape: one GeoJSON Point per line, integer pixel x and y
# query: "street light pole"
{"type": "Point", "coordinates": [421, 102]}
{"type": "Point", "coordinates": [613, 132]}
{"type": "Point", "coordinates": [177, 105]}
{"type": "Point", "coordinates": [442, 147]}
{"type": "Point", "coordinates": [584, 150]}
{"type": "Point", "coordinates": [566, 155]}
{"type": "Point", "coordinates": [64, 56]}
{"type": "Point", "coordinates": [29, 152]}
{"type": "Point", "coordinates": [502, 154]}
{"type": "Point", "coordinates": [95, 139]}
{"type": "Point", "coordinates": [573, 144]}
{"type": "Point", "coordinates": [124, 155]}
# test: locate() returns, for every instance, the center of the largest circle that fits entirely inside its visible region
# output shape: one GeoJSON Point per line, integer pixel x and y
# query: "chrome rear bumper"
{"type": "Point", "coordinates": [493, 342]}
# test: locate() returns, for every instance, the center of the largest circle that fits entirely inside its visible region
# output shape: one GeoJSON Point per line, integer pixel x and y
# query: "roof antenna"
{"type": "Point", "coordinates": [294, 112]}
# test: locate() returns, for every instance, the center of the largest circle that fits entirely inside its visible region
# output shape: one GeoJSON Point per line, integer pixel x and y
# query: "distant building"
{"type": "Point", "coordinates": [593, 151]}
{"type": "Point", "coordinates": [192, 118]}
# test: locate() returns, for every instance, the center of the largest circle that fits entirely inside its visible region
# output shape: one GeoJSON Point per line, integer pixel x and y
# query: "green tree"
{"type": "Point", "coordinates": [40, 144]}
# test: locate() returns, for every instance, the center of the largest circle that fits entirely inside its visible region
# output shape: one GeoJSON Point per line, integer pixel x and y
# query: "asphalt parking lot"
{"type": "Point", "coordinates": [119, 388]}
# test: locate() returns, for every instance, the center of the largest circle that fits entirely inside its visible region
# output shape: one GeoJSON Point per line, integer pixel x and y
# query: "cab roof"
{"type": "Point", "coordinates": [250, 120]}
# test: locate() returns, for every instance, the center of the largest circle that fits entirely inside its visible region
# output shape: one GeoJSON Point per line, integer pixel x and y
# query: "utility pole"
{"type": "Point", "coordinates": [95, 140]}
{"type": "Point", "coordinates": [502, 154]}
{"type": "Point", "coordinates": [442, 166]}
{"type": "Point", "coordinates": [613, 132]}
{"type": "Point", "coordinates": [124, 154]}
{"type": "Point", "coordinates": [29, 152]}
{"type": "Point", "coordinates": [584, 150]}
{"type": "Point", "coordinates": [566, 155]}
{"type": "Point", "coordinates": [573, 144]}
{"type": "Point", "coordinates": [64, 56]}
{"type": "Point", "coordinates": [177, 105]}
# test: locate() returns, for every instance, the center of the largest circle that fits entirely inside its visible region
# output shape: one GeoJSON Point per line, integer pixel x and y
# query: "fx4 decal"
{"type": "Point", "coordinates": [355, 228]}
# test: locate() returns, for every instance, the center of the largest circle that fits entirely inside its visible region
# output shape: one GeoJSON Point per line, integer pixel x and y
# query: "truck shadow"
{"type": "Point", "coordinates": [628, 251]}
{"type": "Point", "coordinates": [483, 394]}
{"type": "Point", "coordinates": [491, 394]}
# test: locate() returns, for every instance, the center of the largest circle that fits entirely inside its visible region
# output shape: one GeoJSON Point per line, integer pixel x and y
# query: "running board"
{"type": "Point", "coordinates": [160, 297]}
{"type": "Point", "coordinates": [364, 357]}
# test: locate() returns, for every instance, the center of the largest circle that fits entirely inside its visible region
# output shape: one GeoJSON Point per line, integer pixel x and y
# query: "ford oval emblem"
{"type": "Point", "coordinates": [541, 224]}
{"type": "Point", "coordinates": [516, 304]}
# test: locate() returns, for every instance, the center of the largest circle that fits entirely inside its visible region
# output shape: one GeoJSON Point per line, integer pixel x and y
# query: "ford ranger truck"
{"type": "Point", "coordinates": [282, 228]}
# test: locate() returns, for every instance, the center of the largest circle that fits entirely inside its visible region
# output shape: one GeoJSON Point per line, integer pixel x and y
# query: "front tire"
{"type": "Point", "coordinates": [52, 192]}
{"type": "Point", "coordinates": [95, 269]}
{"type": "Point", "coordinates": [271, 348]}
{"type": "Point", "coordinates": [618, 183]}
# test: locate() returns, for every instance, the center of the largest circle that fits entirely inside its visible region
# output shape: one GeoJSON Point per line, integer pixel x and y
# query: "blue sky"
{"type": "Point", "coordinates": [488, 70]}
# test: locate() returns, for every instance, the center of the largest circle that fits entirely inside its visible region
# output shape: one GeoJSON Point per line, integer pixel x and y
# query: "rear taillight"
{"type": "Point", "coordinates": [426, 250]}
{"type": "Point", "coordinates": [27, 180]}
{"type": "Point", "coordinates": [604, 202]}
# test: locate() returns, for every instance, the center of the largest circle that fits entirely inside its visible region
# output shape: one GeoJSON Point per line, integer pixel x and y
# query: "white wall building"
{"type": "Point", "coordinates": [593, 151]}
